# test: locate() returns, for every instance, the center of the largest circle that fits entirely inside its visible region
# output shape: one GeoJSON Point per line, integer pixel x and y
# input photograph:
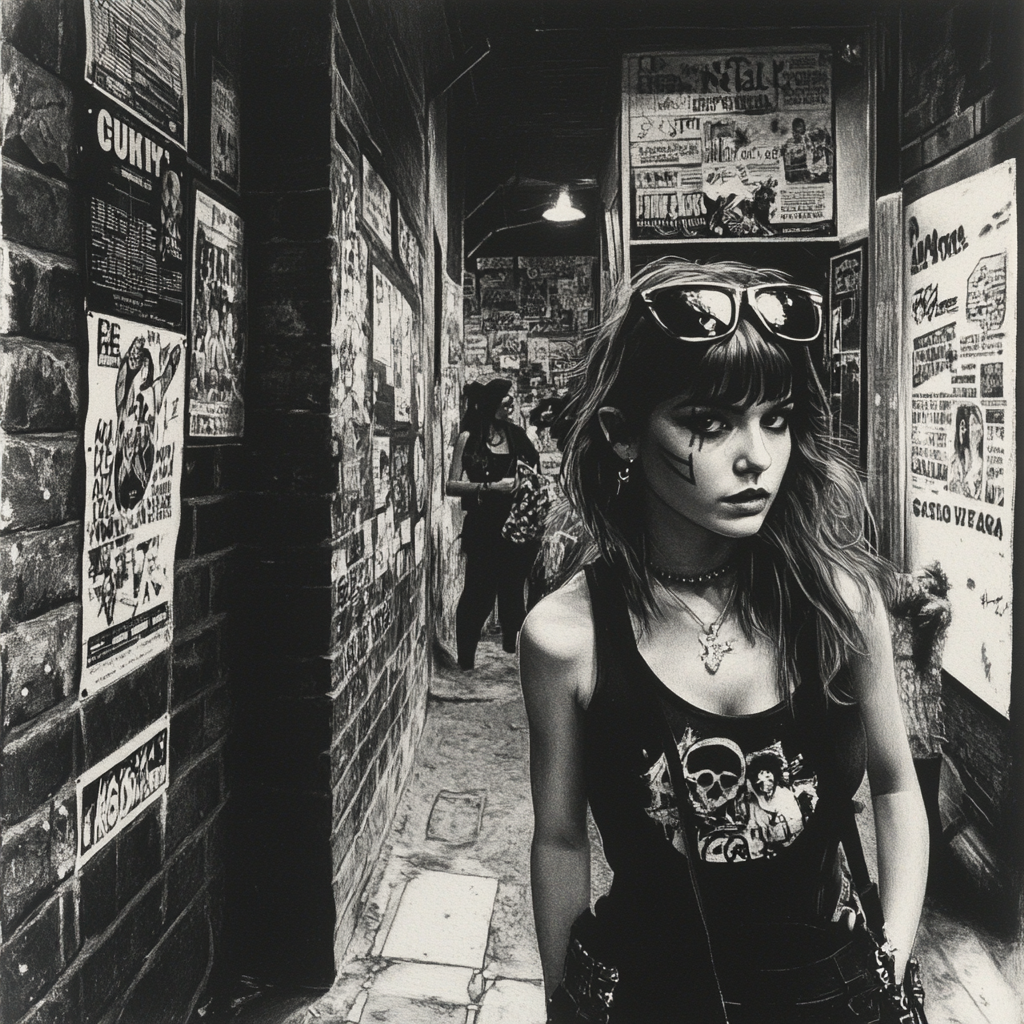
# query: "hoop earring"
{"type": "Point", "coordinates": [624, 476]}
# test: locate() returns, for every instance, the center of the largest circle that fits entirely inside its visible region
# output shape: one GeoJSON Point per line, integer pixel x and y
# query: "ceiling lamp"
{"type": "Point", "coordinates": [563, 211]}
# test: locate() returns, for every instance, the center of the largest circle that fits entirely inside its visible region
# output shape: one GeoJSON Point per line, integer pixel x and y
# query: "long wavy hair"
{"type": "Point", "coordinates": [813, 536]}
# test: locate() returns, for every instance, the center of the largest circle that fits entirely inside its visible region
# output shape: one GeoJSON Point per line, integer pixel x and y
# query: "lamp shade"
{"type": "Point", "coordinates": [563, 211]}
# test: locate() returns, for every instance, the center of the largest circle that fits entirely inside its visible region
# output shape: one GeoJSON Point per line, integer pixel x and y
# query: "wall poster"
{"type": "Point", "coordinates": [135, 53]}
{"type": "Point", "coordinates": [393, 325]}
{"type": "Point", "coordinates": [216, 374]}
{"type": "Point", "coordinates": [960, 317]}
{"type": "Point", "coordinates": [135, 257]}
{"type": "Point", "coordinates": [376, 204]}
{"type": "Point", "coordinates": [113, 793]}
{"type": "Point", "coordinates": [350, 296]}
{"type": "Point", "coordinates": [846, 328]}
{"type": "Point", "coordinates": [451, 325]}
{"type": "Point", "coordinates": [225, 126]}
{"type": "Point", "coordinates": [726, 144]}
{"type": "Point", "coordinates": [134, 429]}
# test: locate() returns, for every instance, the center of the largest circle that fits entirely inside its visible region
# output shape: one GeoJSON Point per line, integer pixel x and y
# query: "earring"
{"type": "Point", "coordinates": [624, 476]}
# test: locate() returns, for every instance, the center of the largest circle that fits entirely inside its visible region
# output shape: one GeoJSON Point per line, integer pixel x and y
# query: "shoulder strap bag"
{"type": "Point", "coordinates": [863, 964]}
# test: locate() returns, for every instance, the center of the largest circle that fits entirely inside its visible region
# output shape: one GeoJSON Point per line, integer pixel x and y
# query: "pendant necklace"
{"type": "Point", "coordinates": [714, 649]}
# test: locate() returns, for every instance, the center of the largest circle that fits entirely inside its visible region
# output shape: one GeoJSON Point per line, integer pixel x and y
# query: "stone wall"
{"type": "Point", "coordinates": [131, 935]}
{"type": "Point", "coordinates": [336, 649]}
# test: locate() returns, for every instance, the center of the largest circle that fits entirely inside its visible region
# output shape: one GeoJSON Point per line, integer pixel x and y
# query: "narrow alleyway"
{"type": "Point", "coordinates": [447, 934]}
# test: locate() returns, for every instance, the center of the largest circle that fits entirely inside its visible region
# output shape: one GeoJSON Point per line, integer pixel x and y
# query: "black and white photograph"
{"type": "Point", "coordinates": [508, 512]}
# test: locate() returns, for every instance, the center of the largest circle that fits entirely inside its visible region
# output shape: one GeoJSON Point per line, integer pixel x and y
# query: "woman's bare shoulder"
{"type": "Point", "coordinates": [557, 639]}
{"type": "Point", "coordinates": [559, 624]}
{"type": "Point", "coordinates": [861, 596]}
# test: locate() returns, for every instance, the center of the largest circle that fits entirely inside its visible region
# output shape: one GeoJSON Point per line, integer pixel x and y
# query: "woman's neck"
{"type": "Point", "coordinates": [681, 546]}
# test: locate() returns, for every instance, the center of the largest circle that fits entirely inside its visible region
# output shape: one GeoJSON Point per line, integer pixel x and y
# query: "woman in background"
{"type": "Point", "coordinates": [483, 475]}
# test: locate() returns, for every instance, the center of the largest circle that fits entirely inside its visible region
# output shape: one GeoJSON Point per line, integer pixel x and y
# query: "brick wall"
{"type": "Point", "coordinates": [961, 75]}
{"type": "Point", "coordinates": [131, 936]}
{"type": "Point", "coordinates": [335, 651]}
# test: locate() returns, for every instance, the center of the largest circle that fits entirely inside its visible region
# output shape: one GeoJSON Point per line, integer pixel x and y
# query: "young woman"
{"type": "Point", "coordinates": [483, 475]}
{"type": "Point", "coordinates": [731, 593]}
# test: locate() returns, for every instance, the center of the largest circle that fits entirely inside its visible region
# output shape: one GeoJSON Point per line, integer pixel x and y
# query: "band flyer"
{"type": "Point", "coordinates": [225, 127]}
{"type": "Point", "coordinates": [960, 319]}
{"type": "Point", "coordinates": [217, 367]}
{"type": "Point", "coordinates": [846, 340]}
{"type": "Point", "coordinates": [113, 793]}
{"type": "Point", "coordinates": [135, 260]}
{"type": "Point", "coordinates": [731, 144]}
{"type": "Point", "coordinates": [376, 204]}
{"type": "Point", "coordinates": [134, 429]}
{"type": "Point", "coordinates": [135, 53]}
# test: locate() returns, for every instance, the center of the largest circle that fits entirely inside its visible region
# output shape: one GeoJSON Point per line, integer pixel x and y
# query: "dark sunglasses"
{"type": "Point", "coordinates": [711, 312]}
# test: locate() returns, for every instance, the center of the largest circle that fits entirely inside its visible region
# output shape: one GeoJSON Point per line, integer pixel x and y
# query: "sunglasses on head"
{"type": "Point", "coordinates": [711, 312]}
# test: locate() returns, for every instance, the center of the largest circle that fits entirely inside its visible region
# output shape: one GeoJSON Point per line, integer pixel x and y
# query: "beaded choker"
{"type": "Point", "coordinates": [692, 581]}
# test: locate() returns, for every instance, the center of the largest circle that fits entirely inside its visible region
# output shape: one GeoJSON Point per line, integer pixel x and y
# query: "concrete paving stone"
{"type": "Point", "coordinates": [385, 1009]}
{"type": "Point", "coordinates": [425, 981]}
{"type": "Point", "coordinates": [512, 946]}
{"type": "Point", "coordinates": [512, 1002]}
{"type": "Point", "coordinates": [443, 919]}
{"type": "Point", "coordinates": [455, 817]}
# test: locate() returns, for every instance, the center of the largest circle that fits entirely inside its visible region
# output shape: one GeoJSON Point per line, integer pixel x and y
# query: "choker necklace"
{"type": "Point", "coordinates": [714, 649]}
{"type": "Point", "coordinates": [693, 581]}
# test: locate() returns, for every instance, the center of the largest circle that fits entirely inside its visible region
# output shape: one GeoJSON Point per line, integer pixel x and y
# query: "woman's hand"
{"type": "Point", "coordinates": [506, 485]}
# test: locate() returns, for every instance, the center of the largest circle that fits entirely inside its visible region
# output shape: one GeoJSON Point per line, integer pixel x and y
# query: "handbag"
{"type": "Point", "coordinates": [530, 506]}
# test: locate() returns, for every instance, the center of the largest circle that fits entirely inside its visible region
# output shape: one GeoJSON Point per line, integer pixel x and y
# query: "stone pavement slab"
{"type": "Point", "coordinates": [443, 918]}
{"type": "Point", "coordinates": [512, 1002]}
{"type": "Point", "coordinates": [425, 981]}
{"type": "Point", "coordinates": [384, 1009]}
{"type": "Point", "coordinates": [455, 817]}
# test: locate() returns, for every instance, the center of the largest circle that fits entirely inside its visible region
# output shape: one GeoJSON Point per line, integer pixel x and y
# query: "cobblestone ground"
{"type": "Point", "coordinates": [446, 934]}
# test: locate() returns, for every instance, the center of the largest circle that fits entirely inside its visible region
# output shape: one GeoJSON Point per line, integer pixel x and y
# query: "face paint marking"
{"type": "Point", "coordinates": [681, 467]}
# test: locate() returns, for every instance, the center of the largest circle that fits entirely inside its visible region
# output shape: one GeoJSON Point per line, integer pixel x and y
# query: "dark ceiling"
{"type": "Point", "coordinates": [538, 112]}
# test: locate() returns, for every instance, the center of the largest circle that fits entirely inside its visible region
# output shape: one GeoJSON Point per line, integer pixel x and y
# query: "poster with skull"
{"type": "Point", "coordinates": [133, 446]}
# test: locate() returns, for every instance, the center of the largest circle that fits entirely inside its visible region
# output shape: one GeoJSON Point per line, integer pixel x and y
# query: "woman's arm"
{"type": "Point", "coordinates": [458, 486]}
{"type": "Point", "coordinates": [555, 663]}
{"type": "Point", "coordinates": [901, 825]}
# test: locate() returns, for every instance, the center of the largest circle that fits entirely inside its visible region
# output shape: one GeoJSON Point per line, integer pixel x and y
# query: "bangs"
{"type": "Point", "coordinates": [741, 371]}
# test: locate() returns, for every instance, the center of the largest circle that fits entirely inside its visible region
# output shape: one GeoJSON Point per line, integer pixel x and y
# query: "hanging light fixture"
{"type": "Point", "coordinates": [563, 211]}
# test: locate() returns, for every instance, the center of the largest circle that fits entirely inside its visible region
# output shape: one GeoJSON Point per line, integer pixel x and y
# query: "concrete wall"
{"type": "Point", "coordinates": [335, 649]}
{"type": "Point", "coordinates": [131, 936]}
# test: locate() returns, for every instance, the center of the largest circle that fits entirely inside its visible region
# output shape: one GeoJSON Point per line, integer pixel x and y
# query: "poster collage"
{"type": "Point", "coordinates": [845, 351]}
{"type": "Point", "coordinates": [525, 319]}
{"type": "Point", "coordinates": [730, 144]}
{"type": "Point", "coordinates": [166, 323]}
{"type": "Point", "coordinates": [378, 401]}
{"type": "Point", "coordinates": [960, 319]}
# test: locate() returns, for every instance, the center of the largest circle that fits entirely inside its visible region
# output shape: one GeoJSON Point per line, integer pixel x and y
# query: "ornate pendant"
{"type": "Point", "coordinates": [714, 649]}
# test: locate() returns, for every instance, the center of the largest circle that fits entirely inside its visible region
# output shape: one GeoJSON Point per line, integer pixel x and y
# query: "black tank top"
{"type": "Point", "coordinates": [767, 829]}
